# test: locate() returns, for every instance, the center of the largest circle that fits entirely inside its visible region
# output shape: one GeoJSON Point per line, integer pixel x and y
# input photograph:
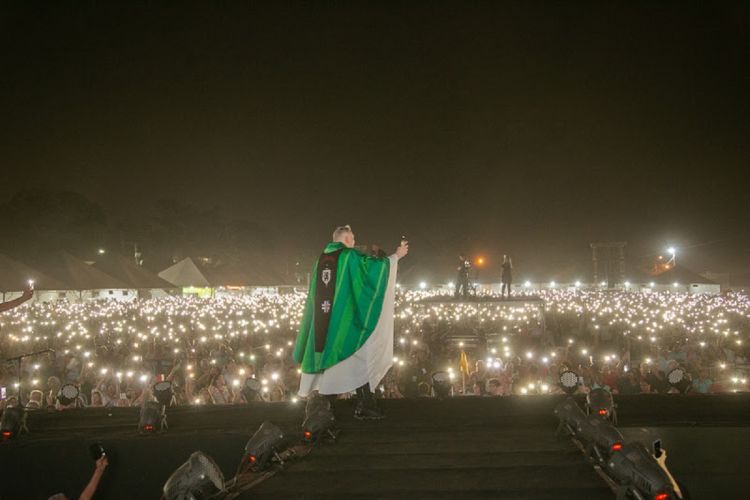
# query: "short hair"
{"type": "Point", "coordinates": [340, 231]}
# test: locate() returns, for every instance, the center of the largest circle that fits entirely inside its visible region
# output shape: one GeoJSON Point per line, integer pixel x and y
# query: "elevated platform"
{"type": "Point", "coordinates": [514, 300]}
{"type": "Point", "coordinates": [473, 333]}
{"type": "Point", "coordinates": [464, 447]}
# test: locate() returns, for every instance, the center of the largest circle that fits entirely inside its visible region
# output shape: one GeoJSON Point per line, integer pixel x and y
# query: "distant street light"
{"type": "Point", "coordinates": [102, 251]}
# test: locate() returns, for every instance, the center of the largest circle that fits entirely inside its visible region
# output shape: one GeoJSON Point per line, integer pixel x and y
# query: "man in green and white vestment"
{"type": "Point", "coordinates": [345, 340]}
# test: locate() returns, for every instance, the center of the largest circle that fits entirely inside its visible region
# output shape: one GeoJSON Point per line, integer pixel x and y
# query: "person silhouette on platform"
{"type": "Point", "coordinates": [507, 276]}
{"type": "Point", "coordinates": [462, 280]}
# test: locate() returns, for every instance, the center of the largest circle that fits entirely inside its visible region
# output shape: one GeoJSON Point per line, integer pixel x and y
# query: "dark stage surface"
{"type": "Point", "coordinates": [467, 447]}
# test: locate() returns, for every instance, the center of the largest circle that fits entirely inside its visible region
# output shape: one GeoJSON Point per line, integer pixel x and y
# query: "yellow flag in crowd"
{"type": "Point", "coordinates": [463, 363]}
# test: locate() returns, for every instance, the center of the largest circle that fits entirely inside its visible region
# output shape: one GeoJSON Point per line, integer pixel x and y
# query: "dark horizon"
{"type": "Point", "coordinates": [526, 128]}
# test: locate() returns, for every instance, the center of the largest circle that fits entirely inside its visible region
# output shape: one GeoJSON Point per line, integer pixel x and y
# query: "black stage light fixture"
{"type": "Point", "coordinates": [263, 446]}
{"type": "Point", "coordinates": [319, 425]}
{"type": "Point", "coordinates": [569, 381]}
{"type": "Point", "coordinates": [678, 379]}
{"type": "Point", "coordinates": [570, 415]}
{"type": "Point", "coordinates": [198, 478]}
{"type": "Point", "coordinates": [602, 439]}
{"type": "Point", "coordinates": [163, 392]}
{"type": "Point", "coordinates": [599, 402]}
{"type": "Point", "coordinates": [251, 388]}
{"type": "Point", "coordinates": [68, 394]}
{"type": "Point", "coordinates": [441, 384]}
{"type": "Point", "coordinates": [638, 472]}
{"type": "Point", "coordinates": [13, 422]}
{"type": "Point", "coordinates": [152, 418]}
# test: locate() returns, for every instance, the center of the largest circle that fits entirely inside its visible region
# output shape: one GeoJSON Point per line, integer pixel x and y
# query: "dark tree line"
{"type": "Point", "coordinates": [38, 222]}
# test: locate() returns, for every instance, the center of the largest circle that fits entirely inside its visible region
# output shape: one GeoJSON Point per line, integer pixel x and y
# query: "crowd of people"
{"type": "Point", "coordinates": [626, 342]}
{"type": "Point", "coordinates": [114, 352]}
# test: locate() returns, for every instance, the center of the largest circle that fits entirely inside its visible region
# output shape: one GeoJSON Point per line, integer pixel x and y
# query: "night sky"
{"type": "Point", "coordinates": [531, 128]}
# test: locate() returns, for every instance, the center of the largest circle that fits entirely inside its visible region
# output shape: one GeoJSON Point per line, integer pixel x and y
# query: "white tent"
{"type": "Point", "coordinates": [185, 274]}
{"type": "Point", "coordinates": [82, 281]}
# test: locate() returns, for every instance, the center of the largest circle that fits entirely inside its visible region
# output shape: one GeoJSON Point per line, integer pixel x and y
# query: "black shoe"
{"type": "Point", "coordinates": [316, 403]}
{"type": "Point", "coordinates": [367, 412]}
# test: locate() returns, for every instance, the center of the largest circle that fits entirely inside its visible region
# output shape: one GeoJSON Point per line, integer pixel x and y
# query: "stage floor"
{"type": "Point", "coordinates": [464, 447]}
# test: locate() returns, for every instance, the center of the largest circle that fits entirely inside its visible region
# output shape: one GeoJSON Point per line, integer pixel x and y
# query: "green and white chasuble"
{"type": "Point", "coordinates": [345, 339]}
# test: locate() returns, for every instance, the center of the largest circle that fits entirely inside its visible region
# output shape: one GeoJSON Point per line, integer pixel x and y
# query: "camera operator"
{"type": "Point", "coordinates": [462, 280]}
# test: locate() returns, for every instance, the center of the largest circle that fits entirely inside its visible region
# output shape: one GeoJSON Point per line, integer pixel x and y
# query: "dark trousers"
{"type": "Point", "coordinates": [462, 287]}
{"type": "Point", "coordinates": [505, 287]}
{"type": "Point", "coordinates": [364, 393]}
{"type": "Point", "coordinates": [366, 397]}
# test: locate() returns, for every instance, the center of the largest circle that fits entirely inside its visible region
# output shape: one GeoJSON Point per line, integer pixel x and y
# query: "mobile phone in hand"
{"type": "Point", "coordinates": [97, 451]}
{"type": "Point", "coordinates": [657, 448]}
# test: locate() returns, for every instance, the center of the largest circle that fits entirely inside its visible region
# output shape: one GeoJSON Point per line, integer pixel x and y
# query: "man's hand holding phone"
{"type": "Point", "coordinates": [403, 248]}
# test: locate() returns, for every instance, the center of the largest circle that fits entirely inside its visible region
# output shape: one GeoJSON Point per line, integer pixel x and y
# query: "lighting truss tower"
{"type": "Point", "coordinates": [608, 259]}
